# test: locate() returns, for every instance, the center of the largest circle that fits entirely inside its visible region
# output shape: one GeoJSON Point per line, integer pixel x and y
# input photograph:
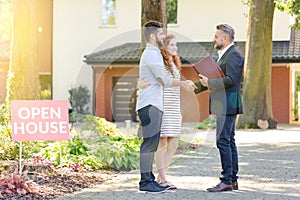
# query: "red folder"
{"type": "Point", "coordinates": [208, 67]}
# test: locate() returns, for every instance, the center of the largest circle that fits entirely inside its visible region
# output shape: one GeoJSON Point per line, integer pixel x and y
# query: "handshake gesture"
{"type": "Point", "coordinates": [187, 85]}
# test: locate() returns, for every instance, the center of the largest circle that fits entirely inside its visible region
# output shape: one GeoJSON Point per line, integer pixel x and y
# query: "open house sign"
{"type": "Point", "coordinates": [40, 120]}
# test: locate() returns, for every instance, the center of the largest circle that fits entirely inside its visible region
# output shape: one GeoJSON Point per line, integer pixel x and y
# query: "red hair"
{"type": "Point", "coordinates": [169, 59]}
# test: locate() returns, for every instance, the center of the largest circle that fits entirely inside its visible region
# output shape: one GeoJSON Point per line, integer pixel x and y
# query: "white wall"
{"type": "Point", "coordinates": [77, 31]}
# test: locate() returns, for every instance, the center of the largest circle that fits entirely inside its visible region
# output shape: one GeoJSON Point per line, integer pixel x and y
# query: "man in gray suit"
{"type": "Point", "coordinates": [226, 104]}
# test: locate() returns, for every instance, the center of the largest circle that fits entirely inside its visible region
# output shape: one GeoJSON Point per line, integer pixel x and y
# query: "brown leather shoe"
{"type": "Point", "coordinates": [235, 185]}
{"type": "Point", "coordinates": [221, 187]}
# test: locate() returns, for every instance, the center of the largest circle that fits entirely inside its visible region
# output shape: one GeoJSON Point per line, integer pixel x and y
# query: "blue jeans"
{"type": "Point", "coordinates": [227, 148]}
{"type": "Point", "coordinates": [151, 118]}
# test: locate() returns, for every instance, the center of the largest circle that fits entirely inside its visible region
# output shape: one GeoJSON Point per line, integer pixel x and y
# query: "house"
{"type": "Point", "coordinates": [116, 76]}
{"type": "Point", "coordinates": [80, 29]}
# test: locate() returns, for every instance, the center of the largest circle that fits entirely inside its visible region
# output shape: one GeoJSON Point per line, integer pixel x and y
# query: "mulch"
{"type": "Point", "coordinates": [61, 182]}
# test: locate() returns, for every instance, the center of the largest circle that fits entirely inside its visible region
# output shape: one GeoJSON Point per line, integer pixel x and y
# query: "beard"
{"type": "Point", "coordinates": [158, 42]}
{"type": "Point", "coordinates": [218, 46]}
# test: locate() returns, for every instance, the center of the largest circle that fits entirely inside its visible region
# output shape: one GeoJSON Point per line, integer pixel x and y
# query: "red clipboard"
{"type": "Point", "coordinates": [209, 68]}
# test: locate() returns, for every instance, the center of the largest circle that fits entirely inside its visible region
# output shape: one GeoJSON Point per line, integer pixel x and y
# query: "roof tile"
{"type": "Point", "coordinates": [190, 52]}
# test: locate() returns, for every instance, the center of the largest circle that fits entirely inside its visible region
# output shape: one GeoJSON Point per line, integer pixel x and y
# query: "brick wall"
{"type": "Point", "coordinates": [195, 107]}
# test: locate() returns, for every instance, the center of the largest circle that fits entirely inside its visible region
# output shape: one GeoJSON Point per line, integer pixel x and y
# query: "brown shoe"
{"type": "Point", "coordinates": [235, 185]}
{"type": "Point", "coordinates": [221, 187]}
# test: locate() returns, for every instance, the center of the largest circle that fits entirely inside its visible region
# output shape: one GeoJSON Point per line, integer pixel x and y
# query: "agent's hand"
{"type": "Point", "coordinates": [203, 80]}
{"type": "Point", "coordinates": [143, 84]}
{"type": "Point", "coordinates": [190, 85]}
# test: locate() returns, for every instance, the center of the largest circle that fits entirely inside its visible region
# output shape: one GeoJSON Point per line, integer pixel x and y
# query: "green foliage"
{"type": "Point", "coordinates": [10, 82]}
{"type": "Point", "coordinates": [9, 150]}
{"type": "Point", "coordinates": [292, 7]}
{"type": "Point", "coordinates": [184, 145]}
{"type": "Point", "coordinates": [296, 108]}
{"type": "Point", "coordinates": [172, 11]}
{"type": "Point", "coordinates": [72, 151]}
{"type": "Point", "coordinates": [99, 126]}
{"type": "Point", "coordinates": [114, 149]}
{"type": "Point", "coordinates": [45, 82]}
{"type": "Point", "coordinates": [208, 123]}
{"type": "Point", "coordinates": [5, 115]}
{"type": "Point", "coordinates": [250, 126]}
{"type": "Point", "coordinates": [98, 144]}
{"type": "Point", "coordinates": [78, 99]}
{"type": "Point", "coordinates": [104, 147]}
{"type": "Point", "coordinates": [76, 147]}
{"type": "Point", "coordinates": [119, 152]}
{"type": "Point", "coordinates": [45, 94]}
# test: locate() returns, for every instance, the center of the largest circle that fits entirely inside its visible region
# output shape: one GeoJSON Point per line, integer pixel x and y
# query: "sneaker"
{"type": "Point", "coordinates": [151, 188]}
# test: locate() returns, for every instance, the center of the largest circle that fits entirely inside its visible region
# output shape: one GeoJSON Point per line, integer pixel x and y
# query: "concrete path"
{"type": "Point", "coordinates": [269, 169]}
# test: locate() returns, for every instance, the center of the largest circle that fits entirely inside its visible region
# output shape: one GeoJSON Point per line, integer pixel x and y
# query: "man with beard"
{"type": "Point", "coordinates": [225, 103]}
{"type": "Point", "coordinates": [150, 102]}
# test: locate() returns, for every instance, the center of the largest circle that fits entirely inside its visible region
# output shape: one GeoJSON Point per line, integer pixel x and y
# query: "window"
{"type": "Point", "coordinates": [108, 12]}
{"type": "Point", "coordinates": [172, 11]}
{"type": "Point", "coordinates": [46, 86]}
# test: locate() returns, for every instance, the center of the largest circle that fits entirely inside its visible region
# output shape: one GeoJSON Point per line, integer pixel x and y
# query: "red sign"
{"type": "Point", "coordinates": [40, 120]}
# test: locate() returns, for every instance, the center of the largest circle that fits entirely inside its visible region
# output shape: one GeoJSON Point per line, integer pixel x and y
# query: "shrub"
{"type": "Point", "coordinates": [99, 144]}
{"type": "Point", "coordinates": [79, 98]}
{"type": "Point", "coordinates": [9, 150]}
{"type": "Point", "coordinates": [100, 126]}
{"type": "Point", "coordinates": [45, 94]}
{"type": "Point", "coordinates": [15, 184]}
{"type": "Point", "coordinates": [119, 152]}
{"type": "Point", "coordinates": [208, 123]}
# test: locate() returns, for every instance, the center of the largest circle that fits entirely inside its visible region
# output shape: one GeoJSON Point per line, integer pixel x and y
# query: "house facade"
{"type": "Point", "coordinates": [116, 76]}
{"type": "Point", "coordinates": [80, 29]}
{"type": "Point", "coordinates": [77, 29]}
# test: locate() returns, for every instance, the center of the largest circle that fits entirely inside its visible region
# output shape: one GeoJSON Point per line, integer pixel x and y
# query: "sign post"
{"type": "Point", "coordinates": [39, 121]}
{"type": "Point", "coordinates": [20, 159]}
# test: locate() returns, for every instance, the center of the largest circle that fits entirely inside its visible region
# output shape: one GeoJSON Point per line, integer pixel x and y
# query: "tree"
{"type": "Point", "coordinates": [23, 80]}
{"type": "Point", "coordinates": [257, 97]}
{"type": "Point", "coordinates": [153, 10]}
{"type": "Point", "coordinates": [258, 60]}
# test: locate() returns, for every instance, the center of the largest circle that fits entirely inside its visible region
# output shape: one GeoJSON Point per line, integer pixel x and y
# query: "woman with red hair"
{"type": "Point", "coordinates": [171, 119]}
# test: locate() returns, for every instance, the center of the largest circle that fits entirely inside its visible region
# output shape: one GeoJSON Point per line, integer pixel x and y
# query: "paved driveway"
{"type": "Point", "coordinates": [269, 169]}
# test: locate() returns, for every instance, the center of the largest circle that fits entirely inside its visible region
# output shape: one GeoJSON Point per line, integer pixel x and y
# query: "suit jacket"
{"type": "Point", "coordinates": [225, 93]}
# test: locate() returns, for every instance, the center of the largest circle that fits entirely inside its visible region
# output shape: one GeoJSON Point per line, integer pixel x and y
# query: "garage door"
{"type": "Point", "coordinates": [124, 98]}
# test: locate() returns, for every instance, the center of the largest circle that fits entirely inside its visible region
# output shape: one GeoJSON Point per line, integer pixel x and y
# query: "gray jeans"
{"type": "Point", "coordinates": [151, 118]}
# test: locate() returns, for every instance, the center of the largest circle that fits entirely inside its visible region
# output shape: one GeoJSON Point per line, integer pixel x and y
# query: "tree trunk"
{"type": "Point", "coordinates": [257, 98]}
{"type": "Point", "coordinates": [153, 10]}
{"type": "Point", "coordinates": [24, 84]}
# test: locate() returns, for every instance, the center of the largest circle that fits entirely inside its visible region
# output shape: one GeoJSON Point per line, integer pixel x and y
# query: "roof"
{"type": "Point", "coordinates": [190, 52]}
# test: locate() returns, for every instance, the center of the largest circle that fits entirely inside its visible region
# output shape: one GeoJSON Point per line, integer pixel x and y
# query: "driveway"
{"type": "Point", "coordinates": [269, 169]}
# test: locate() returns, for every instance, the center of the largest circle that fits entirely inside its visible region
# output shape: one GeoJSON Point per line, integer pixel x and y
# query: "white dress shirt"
{"type": "Point", "coordinates": [221, 52]}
